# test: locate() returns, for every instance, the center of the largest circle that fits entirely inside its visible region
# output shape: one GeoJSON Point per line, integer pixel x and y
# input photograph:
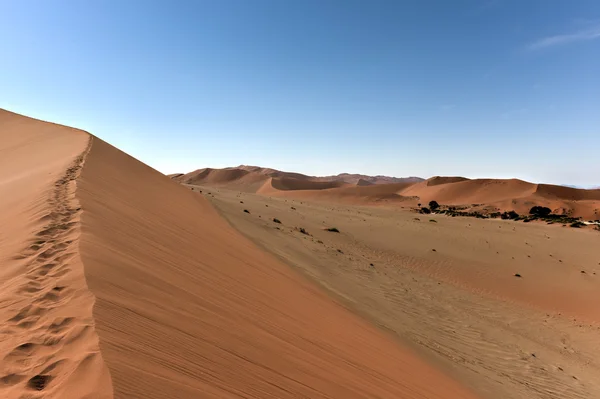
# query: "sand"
{"type": "Point", "coordinates": [119, 282]}
{"type": "Point", "coordinates": [482, 195]}
{"type": "Point", "coordinates": [48, 344]}
{"type": "Point", "coordinates": [460, 306]}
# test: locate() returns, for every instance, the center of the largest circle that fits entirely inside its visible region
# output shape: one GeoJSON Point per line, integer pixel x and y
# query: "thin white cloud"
{"type": "Point", "coordinates": [551, 41]}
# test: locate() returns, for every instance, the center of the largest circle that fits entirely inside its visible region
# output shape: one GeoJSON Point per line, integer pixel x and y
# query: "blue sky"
{"type": "Point", "coordinates": [474, 88]}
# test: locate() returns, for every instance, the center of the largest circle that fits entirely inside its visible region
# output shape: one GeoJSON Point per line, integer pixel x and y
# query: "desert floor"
{"type": "Point", "coordinates": [447, 286]}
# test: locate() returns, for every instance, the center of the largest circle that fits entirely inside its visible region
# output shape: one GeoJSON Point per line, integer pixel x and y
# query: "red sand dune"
{"type": "Point", "coordinates": [286, 183]}
{"type": "Point", "coordinates": [245, 174]}
{"type": "Point", "coordinates": [183, 305]}
{"type": "Point", "coordinates": [479, 191]}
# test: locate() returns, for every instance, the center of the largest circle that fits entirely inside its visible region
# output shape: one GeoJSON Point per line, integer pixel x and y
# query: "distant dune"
{"type": "Point", "coordinates": [477, 194]}
{"type": "Point", "coordinates": [248, 175]}
{"type": "Point", "coordinates": [118, 282]}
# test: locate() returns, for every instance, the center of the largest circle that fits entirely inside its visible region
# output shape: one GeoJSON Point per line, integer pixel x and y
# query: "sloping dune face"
{"type": "Point", "coordinates": [337, 191]}
{"type": "Point", "coordinates": [567, 193]}
{"type": "Point", "coordinates": [186, 307]}
{"type": "Point", "coordinates": [477, 191]}
{"type": "Point", "coordinates": [231, 177]}
{"type": "Point", "coordinates": [48, 344]}
{"type": "Point", "coordinates": [285, 183]}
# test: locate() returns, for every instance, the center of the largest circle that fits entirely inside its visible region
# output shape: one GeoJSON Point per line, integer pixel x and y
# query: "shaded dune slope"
{"type": "Point", "coordinates": [348, 193]}
{"type": "Point", "coordinates": [48, 344]}
{"type": "Point", "coordinates": [286, 183]}
{"type": "Point", "coordinates": [188, 307]}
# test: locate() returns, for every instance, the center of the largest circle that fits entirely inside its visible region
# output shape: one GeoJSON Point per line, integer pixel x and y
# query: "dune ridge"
{"type": "Point", "coordinates": [48, 344]}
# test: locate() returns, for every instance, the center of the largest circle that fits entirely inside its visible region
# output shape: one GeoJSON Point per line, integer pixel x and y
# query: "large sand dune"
{"type": "Point", "coordinates": [48, 341]}
{"type": "Point", "coordinates": [109, 266]}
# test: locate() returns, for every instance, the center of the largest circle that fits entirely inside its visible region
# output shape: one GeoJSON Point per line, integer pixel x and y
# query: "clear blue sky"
{"type": "Point", "coordinates": [475, 88]}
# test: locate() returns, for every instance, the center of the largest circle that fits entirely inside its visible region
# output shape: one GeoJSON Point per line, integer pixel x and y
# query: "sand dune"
{"type": "Point", "coordinates": [478, 191]}
{"type": "Point", "coordinates": [245, 176]}
{"type": "Point", "coordinates": [290, 184]}
{"type": "Point", "coordinates": [105, 249]}
{"type": "Point", "coordinates": [48, 343]}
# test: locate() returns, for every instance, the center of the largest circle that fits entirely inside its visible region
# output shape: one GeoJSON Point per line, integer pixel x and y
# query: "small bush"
{"type": "Point", "coordinates": [276, 220]}
{"type": "Point", "coordinates": [511, 215]}
{"type": "Point", "coordinates": [577, 224]}
{"type": "Point", "coordinates": [425, 211]}
{"type": "Point", "coordinates": [433, 205]}
{"type": "Point", "coordinates": [540, 211]}
{"type": "Point", "coordinates": [246, 211]}
{"type": "Point", "coordinates": [303, 231]}
{"type": "Point", "coordinates": [433, 220]}
{"type": "Point", "coordinates": [333, 230]}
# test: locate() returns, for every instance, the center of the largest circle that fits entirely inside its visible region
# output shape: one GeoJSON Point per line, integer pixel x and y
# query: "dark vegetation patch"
{"type": "Point", "coordinates": [276, 220]}
{"type": "Point", "coordinates": [333, 230]}
{"type": "Point", "coordinates": [246, 211]}
{"type": "Point", "coordinates": [540, 213]}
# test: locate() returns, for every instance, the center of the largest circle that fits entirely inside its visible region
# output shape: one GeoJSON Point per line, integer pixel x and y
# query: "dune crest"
{"type": "Point", "coordinates": [48, 343]}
